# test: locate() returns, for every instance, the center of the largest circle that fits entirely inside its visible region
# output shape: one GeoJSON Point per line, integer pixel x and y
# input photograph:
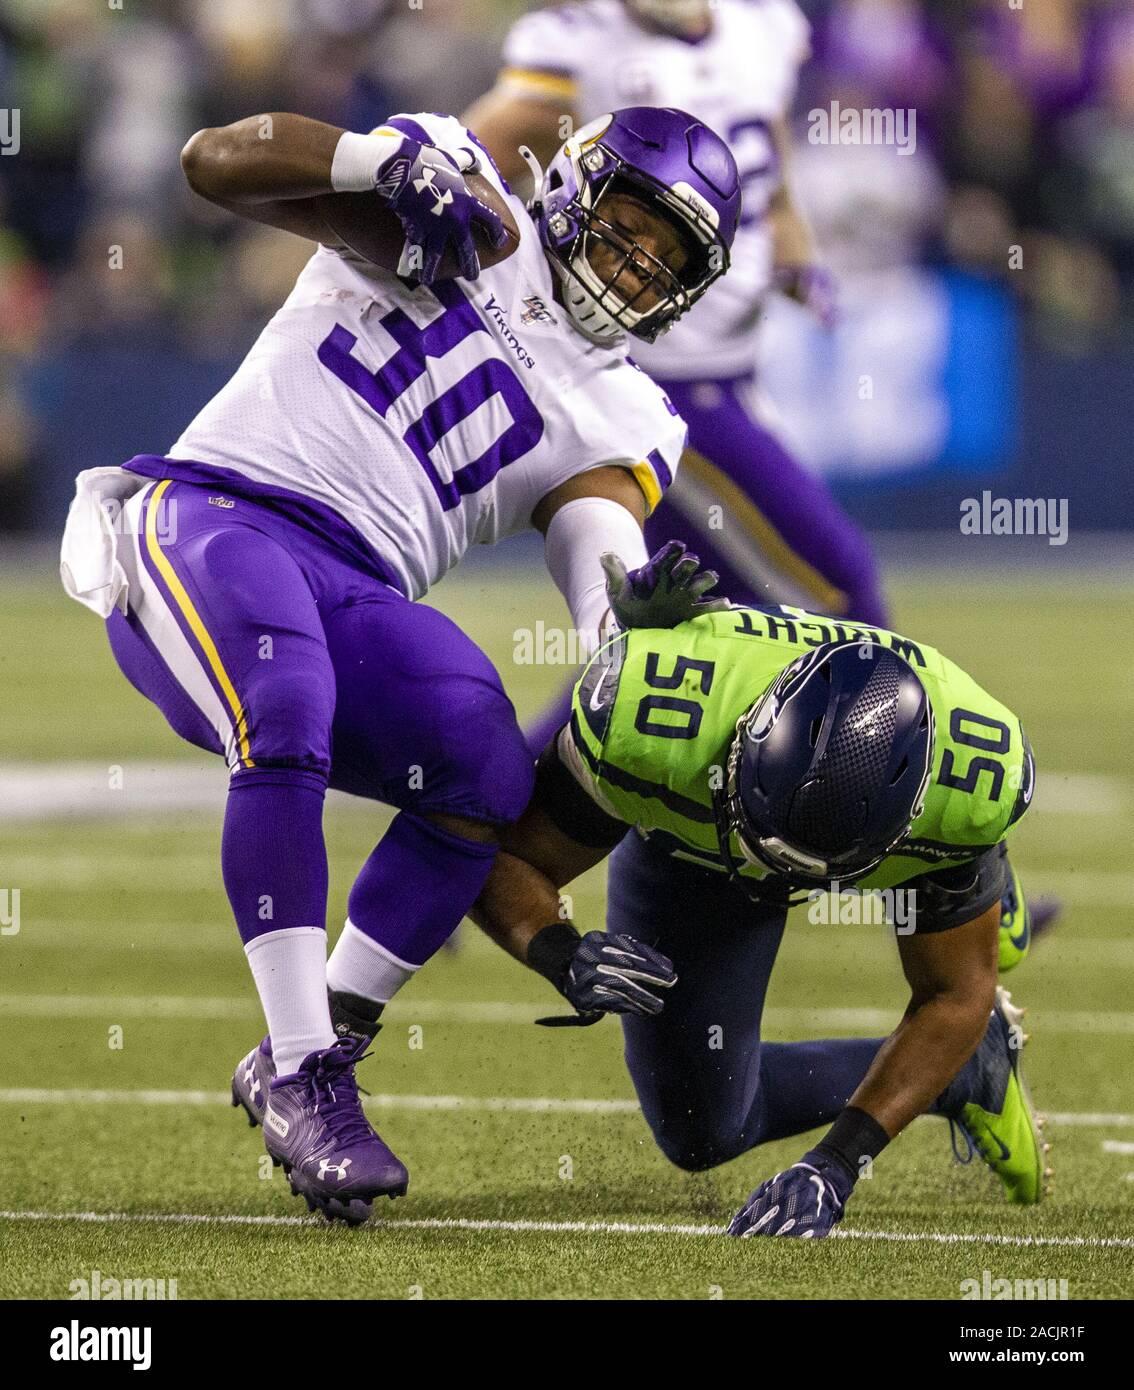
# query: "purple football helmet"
{"type": "Point", "coordinates": [680, 170]}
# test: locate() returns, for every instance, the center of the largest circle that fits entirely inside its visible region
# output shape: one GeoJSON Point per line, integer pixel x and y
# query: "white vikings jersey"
{"type": "Point", "coordinates": [594, 57]}
{"type": "Point", "coordinates": [434, 418]}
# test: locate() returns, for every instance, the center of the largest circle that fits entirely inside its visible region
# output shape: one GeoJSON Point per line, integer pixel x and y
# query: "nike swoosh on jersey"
{"type": "Point", "coordinates": [595, 702]}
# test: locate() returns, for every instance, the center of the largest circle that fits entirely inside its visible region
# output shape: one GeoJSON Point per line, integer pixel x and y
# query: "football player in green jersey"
{"type": "Point", "coordinates": [761, 755]}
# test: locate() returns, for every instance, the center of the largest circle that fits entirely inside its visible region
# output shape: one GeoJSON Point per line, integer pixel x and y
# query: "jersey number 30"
{"type": "Point", "coordinates": [490, 378]}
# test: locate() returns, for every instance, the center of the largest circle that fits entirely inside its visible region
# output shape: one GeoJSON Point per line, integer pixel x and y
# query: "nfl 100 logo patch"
{"type": "Point", "coordinates": [536, 310]}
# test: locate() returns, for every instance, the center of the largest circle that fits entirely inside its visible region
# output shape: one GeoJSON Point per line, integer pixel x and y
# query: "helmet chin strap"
{"type": "Point", "coordinates": [586, 313]}
{"type": "Point", "coordinates": [536, 170]}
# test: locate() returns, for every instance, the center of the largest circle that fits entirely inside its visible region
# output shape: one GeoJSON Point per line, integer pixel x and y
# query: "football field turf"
{"type": "Point", "coordinates": [125, 1003]}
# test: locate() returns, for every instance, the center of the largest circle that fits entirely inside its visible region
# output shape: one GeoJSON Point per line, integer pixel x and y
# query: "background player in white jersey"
{"type": "Point", "coordinates": [258, 583]}
{"type": "Point", "coordinates": [767, 526]}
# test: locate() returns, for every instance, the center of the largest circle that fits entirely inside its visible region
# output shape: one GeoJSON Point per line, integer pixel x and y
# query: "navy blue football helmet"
{"type": "Point", "coordinates": [829, 768]}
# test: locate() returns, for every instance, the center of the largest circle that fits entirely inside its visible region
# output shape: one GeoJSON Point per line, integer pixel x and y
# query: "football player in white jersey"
{"type": "Point", "coordinates": [258, 579]}
{"type": "Point", "coordinates": [767, 526]}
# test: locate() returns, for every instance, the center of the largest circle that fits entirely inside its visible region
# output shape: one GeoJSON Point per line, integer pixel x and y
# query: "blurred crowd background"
{"type": "Point", "coordinates": [1025, 136]}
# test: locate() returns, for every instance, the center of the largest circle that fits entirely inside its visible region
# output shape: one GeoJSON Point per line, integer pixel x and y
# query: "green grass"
{"type": "Point", "coordinates": [121, 917]}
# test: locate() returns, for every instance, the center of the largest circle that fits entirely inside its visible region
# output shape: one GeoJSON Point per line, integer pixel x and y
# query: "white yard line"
{"type": "Point", "coordinates": [32, 792]}
{"type": "Point", "coordinates": [629, 1228]}
{"type": "Point", "coordinates": [69, 868]}
{"type": "Point", "coordinates": [114, 1007]}
{"type": "Point", "coordinates": [33, 1095]}
{"type": "Point", "coordinates": [39, 1095]}
{"type": "Point", "coordinates": [43, 790]}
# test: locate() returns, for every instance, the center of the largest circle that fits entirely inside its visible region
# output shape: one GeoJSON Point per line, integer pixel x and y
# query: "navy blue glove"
{"type": "Point", "coordinates": [613, 974]}
{"type": "Point", "coordinates": [426, 189]}
{"type": "Point", "coordinates": [805, 1200]}
{"type": "Point", "coordinates": [665, 591]}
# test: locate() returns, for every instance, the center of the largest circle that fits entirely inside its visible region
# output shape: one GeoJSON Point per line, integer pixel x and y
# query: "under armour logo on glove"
{"type": "Point", "coordinates": [443, 198]}
{"type": "Point", "coordinates": [806, 1200]}
{"type": "Point", "coordinates": [425, 187]}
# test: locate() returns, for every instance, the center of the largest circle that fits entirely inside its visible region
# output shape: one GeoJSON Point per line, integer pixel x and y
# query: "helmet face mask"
{"type": "Point", "coordinates": [638, 290]}
{"type": "Point", "coordinates": [614, 280]}
{"type": "Point", "coordinates": [763, 839]}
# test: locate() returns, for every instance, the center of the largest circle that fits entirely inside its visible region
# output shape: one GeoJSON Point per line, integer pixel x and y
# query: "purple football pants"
{"type": "Point", "coordinates": [770, 529]}
{"type": "Point", "coordinates": [257, 640]}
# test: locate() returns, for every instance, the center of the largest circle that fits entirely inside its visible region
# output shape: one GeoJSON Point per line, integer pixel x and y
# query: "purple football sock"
{"type": "Point", "coordinates": [416, 886]}
{"type": "Point", "coordinates": [273, 857]}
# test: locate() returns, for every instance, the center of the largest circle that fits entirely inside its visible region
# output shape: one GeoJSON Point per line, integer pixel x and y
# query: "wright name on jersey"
{"type": "Point", "coordinates": [738, 79]}
{"type": "Point", "coordinates": [655, 712]}
{"type": "Point", "coordinates": [428, 418]}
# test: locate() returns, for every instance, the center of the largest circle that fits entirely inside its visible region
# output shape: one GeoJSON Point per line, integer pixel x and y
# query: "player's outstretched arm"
{"type": "Point", "coordinates": [798, 273]}
{"type": "Point", "coordinates": [283, 170]}
{"type": "Point", "coordinates": [952, 978]}
{"type": "Point", "coordinates": [521, 910]}
{"type": "Point", "coordinates": [596, 553]}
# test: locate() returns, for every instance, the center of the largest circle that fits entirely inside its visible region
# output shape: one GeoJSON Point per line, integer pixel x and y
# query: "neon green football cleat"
{"type": "Point", "coordinates": [1015, 924]}
{"type": "Point", "coordinates": [998, 1122]}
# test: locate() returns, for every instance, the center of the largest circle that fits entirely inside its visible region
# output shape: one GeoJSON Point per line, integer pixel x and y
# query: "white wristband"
{"type": "Point", "coordinates": [358, 159]}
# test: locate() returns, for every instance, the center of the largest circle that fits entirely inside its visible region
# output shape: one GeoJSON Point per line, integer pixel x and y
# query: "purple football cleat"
{"type": "Point", "coordinates": [251, 1079]}
{"type": "Point", "coordinates": [314, 1126]}
{"type": "Point", "coordinates": [351, 1017]}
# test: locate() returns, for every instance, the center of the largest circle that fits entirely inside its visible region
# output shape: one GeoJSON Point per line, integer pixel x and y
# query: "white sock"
{"type": "Point", "coordinates": [358, 965]}
{"type": "Point", "coordinates": [290, 970]}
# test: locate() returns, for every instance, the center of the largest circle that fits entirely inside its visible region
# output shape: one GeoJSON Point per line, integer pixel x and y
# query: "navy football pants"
{"type": "Point", "coordinates": [709, 1087]}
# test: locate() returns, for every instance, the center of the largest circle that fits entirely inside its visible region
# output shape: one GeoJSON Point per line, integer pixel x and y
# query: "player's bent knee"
{"type": "Point", "coordinates": [477, 831]}
{"type": "Point", "coordinates": [696, 1149]}
{"type": "Point", "coordinates": [289, 720]}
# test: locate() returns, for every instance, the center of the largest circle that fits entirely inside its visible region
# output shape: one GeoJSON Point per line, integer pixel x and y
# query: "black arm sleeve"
{"type": "Point", "coordinates": [949, 898]}
{"type": "Point", "coordinates": [569, 807]}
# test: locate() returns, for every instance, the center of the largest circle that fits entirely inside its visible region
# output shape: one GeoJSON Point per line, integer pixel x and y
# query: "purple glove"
{"type": "Point", "coordinates": [813, 287]}
{"type": "Point", "coordinates": [806, 1200]}
{"type": "Point", "coordinates": [426, 189]}
{"type": "Point", "coordinates": [668, 589]}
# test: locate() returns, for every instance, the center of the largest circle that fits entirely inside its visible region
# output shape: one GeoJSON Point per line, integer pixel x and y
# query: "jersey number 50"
{"type": "Point", "coordinates": [689, 713]}
{"type": "Point", "coordinates": [490, 377]}
{"type": "Point", "coordinates": [997, 741]}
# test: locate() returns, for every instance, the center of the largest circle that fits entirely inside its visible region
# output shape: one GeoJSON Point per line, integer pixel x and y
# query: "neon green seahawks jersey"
{"type": "Point", "coordinates": [656, 710]}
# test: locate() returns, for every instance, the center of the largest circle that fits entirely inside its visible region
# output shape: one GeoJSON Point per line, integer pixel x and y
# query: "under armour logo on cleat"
{"type": "Point", "coordinates": [252, 1081]}
{"type": "Point", "coordinates": [326, 1166]}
